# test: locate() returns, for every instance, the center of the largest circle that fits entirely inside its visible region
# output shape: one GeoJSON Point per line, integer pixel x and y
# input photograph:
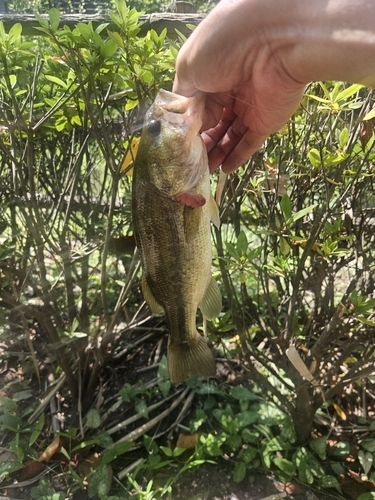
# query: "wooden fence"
{"type": "Point", "coordinates": [158, 22]}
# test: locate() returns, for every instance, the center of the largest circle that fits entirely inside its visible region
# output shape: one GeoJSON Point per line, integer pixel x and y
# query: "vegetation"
{"type": "Point", "coordinates": [293, 257]}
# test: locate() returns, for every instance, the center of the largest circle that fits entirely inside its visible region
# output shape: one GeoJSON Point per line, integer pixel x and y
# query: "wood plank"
{"type": "Point", "coordinates": [156, 21]}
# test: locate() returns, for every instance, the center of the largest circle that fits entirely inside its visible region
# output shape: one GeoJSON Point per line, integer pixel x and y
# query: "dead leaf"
{"type": "Point", "coordinates": [130, 156]}
{"type": "Point", "coordinates": [31, 469]}
{"type": "Point", "coordinates": [48, 453]}
{"type": "Point", "coordinates": [340, 412]}
{"type": "Point", "coordinates": [365, 132]}
{"type": "Point", "coordinates": [8, 456]}
{"type": "Point", "coordinates": [89, 465]}
{"type": "Point", "coordinates": [354, 486]}
{"type": "Point", "coordinates": [187, 441]}
{"type": "Point", "coordinates": [291, 488]}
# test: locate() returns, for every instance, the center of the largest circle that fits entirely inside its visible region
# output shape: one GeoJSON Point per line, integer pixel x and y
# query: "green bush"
{"type": "Point", "coordinates": [293, 256]}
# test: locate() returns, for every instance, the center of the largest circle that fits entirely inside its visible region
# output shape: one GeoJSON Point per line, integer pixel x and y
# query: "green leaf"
{"type": "Point", "coordinates": [249, 436]}
{"type": "Point", "coordinates": [115, 451]}
{"type": "Point", "coordinates": [314, 157]}
{"type": "Point", "coordinates": [234, 441]}
{"type": "Point", "coordinates": [239, 472]}
{"type": "Point", "coordinates": [167, 451]}
{"type": "Point", "coordinates": [328, 481]}
{"type": "Point", "coordinates": [284, 246]}
{"type": "Point", "coordinates": [7, 468]}
{"type": "Point", "coordinates": [248, 454]}
{"type": "Point", "coordinates": [37, 430]}
{"type": "Point", "coordinates": [178, 451]}
{"type": "Point", "coordinates": [365, 459]}
{"type": "Point", "coordinates": [141, 409]}
{"type": "Point", "coordinates": [278, 443]}
{"type": "Point", "coordinates": [163, 371]}
{"type": "Point", "coordinates": [93, 419]}
{"type": "Point", "coordinates": [344, 137]}
{"type": "Point", "coordinates": [54, 18]}
{"type": "Point", "coordinates": [303, 212]}
{"type": "Point", "coordinates": [127, 393]}
{"type": "Point", "coordinates": [242, 244]}
{"type": "Point", "coordinates": [370, 115]}
{"type": "Point", "coordinates": [286, 466]}
{"type": "Point", "coordinates": [242, 394]}
{"type": "Point", "coordinates": [342, 449]}
{"type": "Point", "coordinates": [108, 49]}
{"type": "Point", "coordinates": [367, 496]}
{"type": "Point", "coordinates": [131, 104]}
{"type": "Point", "coordinates": [246, 418]}
{"type": "Point", "coordinates": [304, 473]}
{"type": "Point", "coordinates": [338, 469]}
{"type": "Point", "coordinates": [54, 79]}
{"type": "Point", "coordinates": [15, 33]}
{"type": "Point", "coordinates": [286, 207]}
{"type": "Point", "coordinates": [165, 387]}
{"type": "Point", "coordinates": [319, 445]}
{"type": "Point", "coordinates": [10, 422]}
{"type": "Point", "coordinates": [2, 32]}
{"type": "Point", "coordinates": [368, 444]}
{"type": "Point", "coordinates": [116, 37]}
{"type": "Point", "coordinates": [100, 482]}
{"type": "Point", "coordinates": [344, 94]}
{"type": "Point", "coordinates": [43, 22]}
{"type": "Point", "coordinates": [365, 321]}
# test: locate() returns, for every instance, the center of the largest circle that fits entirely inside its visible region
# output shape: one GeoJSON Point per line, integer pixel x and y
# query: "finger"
{"type": "Point", "coordinates": [184, 87]}
{"type": "Point", "coordinates": [249, 145]}
{"type": "Point", "coordinates": [223, 139]}
{"type": "Point", "coordinates": [214, 135]}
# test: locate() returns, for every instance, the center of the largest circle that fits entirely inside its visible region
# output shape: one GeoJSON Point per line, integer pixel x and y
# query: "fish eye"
{"type": "Point", "coordinates": [154, 127]}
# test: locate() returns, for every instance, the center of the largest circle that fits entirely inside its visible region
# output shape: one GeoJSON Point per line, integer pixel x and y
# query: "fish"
{"type": "Point", "coordinates": [172, 210]}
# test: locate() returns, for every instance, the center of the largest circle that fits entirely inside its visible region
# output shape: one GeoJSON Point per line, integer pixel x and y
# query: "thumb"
{"type": "Point", "coordinates": [184, 87]}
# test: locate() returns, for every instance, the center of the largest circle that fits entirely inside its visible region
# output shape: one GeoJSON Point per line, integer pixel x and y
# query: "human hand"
{"type": "Point", "coordinates": [253, 58]}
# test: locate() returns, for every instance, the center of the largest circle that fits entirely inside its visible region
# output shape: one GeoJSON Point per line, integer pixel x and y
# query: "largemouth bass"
{"type": "Point", "coordinates": [172, 210]}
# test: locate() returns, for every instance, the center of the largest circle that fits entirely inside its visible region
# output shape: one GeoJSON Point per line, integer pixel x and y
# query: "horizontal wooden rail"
{"type": "Point", "coordinates": [157, 22]}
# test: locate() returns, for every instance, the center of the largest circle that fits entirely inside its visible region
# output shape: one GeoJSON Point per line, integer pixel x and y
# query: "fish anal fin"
{"type": "Point", "coordinates": [210, 305]}
{"type": "Point", "coordinates": [155, 307]}
{"type": "Point", "coordinates": [193, 357]}
{"type": "Point", "coordinates": [214, 212]}
{"type": "Point", "coordinates": [191, 199]}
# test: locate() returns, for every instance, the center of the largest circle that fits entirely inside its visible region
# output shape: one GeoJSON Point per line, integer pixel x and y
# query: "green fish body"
{"type": "Point", "coordinates": [172, 212]}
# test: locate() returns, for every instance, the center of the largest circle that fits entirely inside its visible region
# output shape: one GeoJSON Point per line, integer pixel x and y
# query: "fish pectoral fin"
{"type": "Point", "coordinates": [193, 357]}
{"type": "Point", "coordinates": [192, 219]}
{"type": "Point", "coordinates": [191, 198]}
{"type": "Point", "coordinates": [210, 305]}
{"type": "Point", "coordinates": [153, 304]}
{"type": "Point", "coordinates": [214, 212]}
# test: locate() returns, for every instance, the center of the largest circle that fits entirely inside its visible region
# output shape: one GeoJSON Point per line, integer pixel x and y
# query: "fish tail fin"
{"type": "Point", "coordinates": [190, 358]}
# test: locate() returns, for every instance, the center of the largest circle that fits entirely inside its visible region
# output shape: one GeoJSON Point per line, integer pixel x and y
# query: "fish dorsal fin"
{"type": "Point", "coordinates": [211, 302]}
{"type": "Point", "coordinates": [192, 220]}
{"type": "Point", "coordinates": [214, 212]}
{"type": "Point", "coordinates": [155, 307]}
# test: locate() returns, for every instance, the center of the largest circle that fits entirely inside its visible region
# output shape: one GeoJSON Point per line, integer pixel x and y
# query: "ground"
{"type": "Point", "coordinates": [206, 482]}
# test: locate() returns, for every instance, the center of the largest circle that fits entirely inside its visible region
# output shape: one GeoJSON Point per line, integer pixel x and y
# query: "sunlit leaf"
{"type": "Point", "coordinates": [340, 412]}
{"type": "Point", "coordinates": [130, 156]}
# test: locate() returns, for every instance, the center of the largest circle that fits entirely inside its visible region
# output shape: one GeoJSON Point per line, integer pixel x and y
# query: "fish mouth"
{"type": "Point", "coordinates": [179, 110]}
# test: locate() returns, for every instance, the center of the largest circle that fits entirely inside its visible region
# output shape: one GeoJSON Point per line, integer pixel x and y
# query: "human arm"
{"type": "Point", "coordinates": [254, 58]}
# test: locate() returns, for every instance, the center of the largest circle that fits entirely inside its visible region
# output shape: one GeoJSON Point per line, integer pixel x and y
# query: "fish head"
{"type": "Point", "coordinates": [171, 148]}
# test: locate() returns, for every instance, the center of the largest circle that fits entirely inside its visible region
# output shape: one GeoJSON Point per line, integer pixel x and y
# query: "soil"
{"type": "Point", "coordinates": [206, 482]}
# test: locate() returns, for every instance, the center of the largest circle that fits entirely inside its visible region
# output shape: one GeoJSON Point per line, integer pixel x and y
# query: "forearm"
{"type": "Point", "coordinates": [331, 40]}
{"type": "Point", "coordinates": [309, 39]}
